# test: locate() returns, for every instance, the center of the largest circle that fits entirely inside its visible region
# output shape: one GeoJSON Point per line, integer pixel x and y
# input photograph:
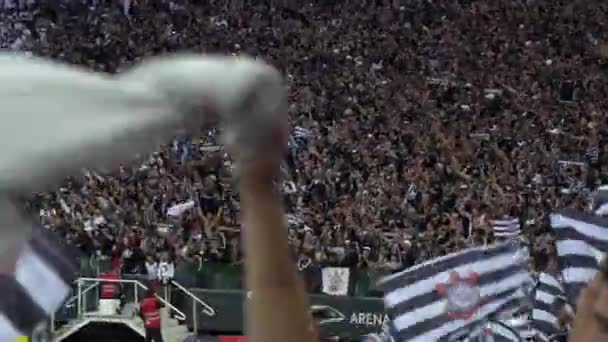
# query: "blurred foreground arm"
{"type": "Point", "coordinates": [58, 119]}
{"type": "Point", "coordinates": [278, 309]}
{"type": "Point", "coordinates": [250, 98]}
{"type": "Point", "coordinates": [591, 321]}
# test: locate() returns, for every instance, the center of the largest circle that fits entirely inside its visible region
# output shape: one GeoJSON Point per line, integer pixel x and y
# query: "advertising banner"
{"type": "Point", "coordinates": [341, 316]}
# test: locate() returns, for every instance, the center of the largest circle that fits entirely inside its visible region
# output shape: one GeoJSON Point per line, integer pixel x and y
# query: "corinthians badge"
{"type": "Point", "coordinates": [462, 294]}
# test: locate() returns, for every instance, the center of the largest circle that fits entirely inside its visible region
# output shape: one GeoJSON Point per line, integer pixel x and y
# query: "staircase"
{"type": "Point", "coordinates": [89, 313]}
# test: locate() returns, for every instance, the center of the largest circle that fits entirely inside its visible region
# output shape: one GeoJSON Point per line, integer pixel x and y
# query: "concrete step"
{"type": "Point", "coordinates": [171, 329]}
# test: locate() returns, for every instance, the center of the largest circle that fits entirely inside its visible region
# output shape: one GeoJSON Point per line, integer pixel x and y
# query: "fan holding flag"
{"type": "Point", "coordinates": [449, 297]}
{"type": "Point", "coordinates": [59, 119]}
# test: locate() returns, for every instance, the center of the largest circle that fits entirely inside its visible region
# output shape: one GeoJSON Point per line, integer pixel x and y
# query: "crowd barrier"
{"type": "Point", "coordinates": [225, 276]}
{"type": "Point", "coordinates": [220, 285]}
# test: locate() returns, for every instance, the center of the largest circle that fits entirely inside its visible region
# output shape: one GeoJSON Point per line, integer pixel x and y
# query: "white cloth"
{"type": "Point", "coordinates": [106, 120]}
{"type": "Point", "coordinates": [335, 280]}
{"type": "Point", "coordinates": [108, 307]}
{"type": "Point", "coordinates": [166, 271]}
{"type": "Point", "coordinates": [58, 119]}
{"type": "Point", "coordinates": [152, 270]}
{"type": "Point", "coordinates": [179, 209]}
{"type": "Point", "coordinates": [126, 7]}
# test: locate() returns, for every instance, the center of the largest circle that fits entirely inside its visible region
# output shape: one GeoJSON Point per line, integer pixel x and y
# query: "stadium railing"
{"type": "Point", "coordinates": [226, 276]}
{"type": "Point", "coordinates": [220, 285]}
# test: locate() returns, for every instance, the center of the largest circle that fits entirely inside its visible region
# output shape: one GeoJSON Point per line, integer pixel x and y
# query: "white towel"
{"type": "Point", "coordinates": [58, 119]}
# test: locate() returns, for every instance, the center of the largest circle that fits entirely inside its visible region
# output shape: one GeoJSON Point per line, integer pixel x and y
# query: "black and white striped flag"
{"type": "Point", "coordinates": [453, 294]}
{"type": "Point", "coordinates": [516, 318]}
{"type": "Point", "coordinates": [599, 201]}
{"type": "Point", "coordinates": [37, 285]}
{"type": "Point", "coordinates": [582, 238]}
{"type": "Point", "coordinates": [294, 220]}
{"type": "Point", "coordinates": [498, 331]}
{"type": "Point", "coordinates": [506, 228]}
{"type": "Point", "coordinates": [592, 154]}
{"type": "Point", "coordinates": [544, 315]}
{"type": "Point", "coordinates": [299, 137]}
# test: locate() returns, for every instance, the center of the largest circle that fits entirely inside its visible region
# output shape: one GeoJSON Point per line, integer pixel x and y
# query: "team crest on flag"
{"type": "Point", "coordinates": [463, 295]}
{"type": "Point", "coordinates": [335, 280]}
{"type": "Point", "coordinates": [443, 299]}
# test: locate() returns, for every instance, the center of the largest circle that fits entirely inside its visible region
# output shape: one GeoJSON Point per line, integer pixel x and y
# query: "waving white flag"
{"type": "Point", "coordinates": [58, 119]}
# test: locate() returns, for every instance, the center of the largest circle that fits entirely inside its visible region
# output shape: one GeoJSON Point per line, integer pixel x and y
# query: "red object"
{"type": "Point", "coordinates": [115, 262]}
{"type": "Point", "coordinates": [232, 338]}
{"type": "Point", "coordinates": [150, 311]}
{"type": "Point", "coordinates": [156, 285]}
{"type": "Point", "coordinates": [110, 290]}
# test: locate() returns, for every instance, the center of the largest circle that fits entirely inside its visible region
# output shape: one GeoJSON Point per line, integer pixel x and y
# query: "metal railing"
{"type": "Point", "coordinates": [71, 301]}
{"type": "Point", "coordinates": [85, 291]}
{"type": "Point", "coordinates": [208, 310]}
{"type": "Point", "coordinates": [136, 286]}
{"type": "Point", "coordinates": [82, 290]}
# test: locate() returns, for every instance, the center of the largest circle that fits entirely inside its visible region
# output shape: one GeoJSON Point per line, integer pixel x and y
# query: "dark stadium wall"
{"type": "Point", "coordinates": [349, 316]}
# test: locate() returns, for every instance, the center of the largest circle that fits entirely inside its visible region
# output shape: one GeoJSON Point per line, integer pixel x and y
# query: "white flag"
{"type": "Point", "coordinates": [106, 120]}
{"type": "Point", "coordinates": [126, 7]}
{"type": "Point", "coordinates": [179, 209]}
{"type": "Point", "coordinates": [335, 280]}
{"type": "Point", "coordinates": [166, 270]}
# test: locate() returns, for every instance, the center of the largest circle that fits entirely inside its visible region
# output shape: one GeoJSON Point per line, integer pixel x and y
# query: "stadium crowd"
{"type": "Point", "coordinates": [416, 123]}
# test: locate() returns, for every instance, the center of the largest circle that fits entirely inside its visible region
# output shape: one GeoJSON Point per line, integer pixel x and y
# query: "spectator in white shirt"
{"type": "Point", "coordinates": [166, 269]}
{"type": "Point", "coordinates": [152, 268]}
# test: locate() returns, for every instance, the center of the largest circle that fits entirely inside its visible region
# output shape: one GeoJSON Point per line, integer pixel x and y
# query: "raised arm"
{"type": "Point", "coordinates": [278, 309]}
